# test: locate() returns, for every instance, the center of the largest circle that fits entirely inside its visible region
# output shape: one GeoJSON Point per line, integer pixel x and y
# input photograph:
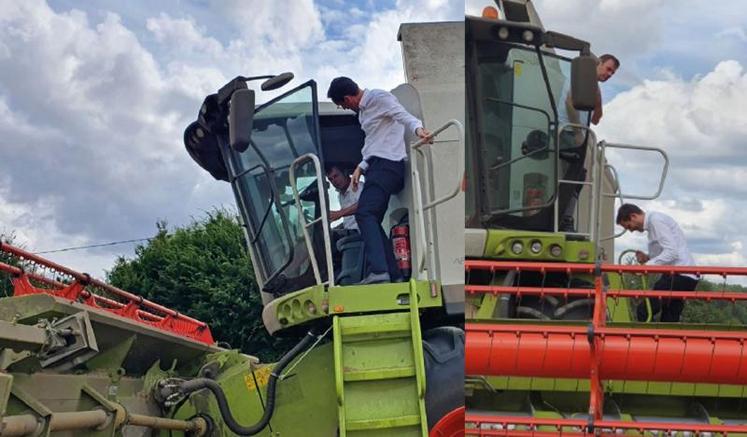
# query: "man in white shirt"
{"type": "Point", "coordinates": [383, 120]}
{"type": "Point", "coordinates": [666, 246]}
{"type": "Point", "coordinates": [348, 199]}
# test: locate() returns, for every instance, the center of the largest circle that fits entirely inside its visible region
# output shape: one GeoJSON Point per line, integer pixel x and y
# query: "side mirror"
{"type": "Point", "coordinates": [584, 82]}
{"type": "Point", "coordinates": [276, 82]}
{"type": "Point", "coordinates": [240, 118]}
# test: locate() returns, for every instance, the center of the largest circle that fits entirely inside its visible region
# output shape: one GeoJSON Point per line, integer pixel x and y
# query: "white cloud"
{"type": "Point", "coordinates": [733, 32]}
{"type": "Point", "coordinates": [284, 26]}
{"type": "Point", "coordinates": [701, 118]}
{"type": "Point", "coordinates": [700, 124]}
{"type": "Point", "coordinates": [93, 104]}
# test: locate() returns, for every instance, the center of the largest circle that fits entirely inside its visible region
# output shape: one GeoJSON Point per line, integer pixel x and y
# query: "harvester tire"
{"type": "Point", "coordinates": [444, 371]}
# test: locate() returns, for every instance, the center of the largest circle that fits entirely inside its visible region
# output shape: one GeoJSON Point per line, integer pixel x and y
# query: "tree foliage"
{"type": "Point", "coordinates": [203, 270]}
{"type": "Point", "coordinates": [721, 312]}
{"type": "Point", "coordinates": [6, 287]}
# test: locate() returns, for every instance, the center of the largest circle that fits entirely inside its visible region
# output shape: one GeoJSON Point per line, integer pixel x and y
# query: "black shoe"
{"type": "Point", "coordinates": [566, 224]}
{"type": "Point", "coordinates": [375, 278]}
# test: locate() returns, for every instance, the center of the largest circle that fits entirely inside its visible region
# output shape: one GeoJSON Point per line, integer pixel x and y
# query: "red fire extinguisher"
{"type": "Point", "coordinates": [400, 235]}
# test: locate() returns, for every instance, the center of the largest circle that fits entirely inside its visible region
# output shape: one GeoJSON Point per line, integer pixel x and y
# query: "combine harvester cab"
{"type": "Point", "coordinates": [553, 345]}
{"type": "Point", "coordinates": [382, 349]}
{"type": "Point", "coordinates": [375, 360]}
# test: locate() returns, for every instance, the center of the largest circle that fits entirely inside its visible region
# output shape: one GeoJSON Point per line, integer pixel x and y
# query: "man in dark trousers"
{"type": "Point", "coordinates": [666, 246]}
{"type": "Point", "coordinates": [572, 142]}
{"type": "Point", "coordinates": [384, 122]}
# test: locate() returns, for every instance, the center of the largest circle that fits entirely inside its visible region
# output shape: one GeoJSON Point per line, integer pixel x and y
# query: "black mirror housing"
{"type": "Point", "coordinates": [240, 118]}
{"type": "Point", "coordinates": [276, 81]}
{"type": "Point", "coordinates": [584, 82]}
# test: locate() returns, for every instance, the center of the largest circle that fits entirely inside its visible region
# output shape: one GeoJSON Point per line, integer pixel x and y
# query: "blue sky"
{"type": "Point", "coordinates": [94, 97]}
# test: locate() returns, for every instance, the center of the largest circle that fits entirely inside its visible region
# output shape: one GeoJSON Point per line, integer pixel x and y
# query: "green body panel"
{"type": "Point", "coordinates": [624, 387]}
{"type": "Point", "coordinates": [315, 302]}
{"type": "Point", "coordinates": [556, 404]}
{"type": "Point", "coordinates": [44, 393]}
{"type": "Point", "coordinates": [380, 373]}
{"type": "Point", "coordinates": [305, 396]}
{"type": "Point", "coordinates": [499, 241]}
{"type": "Point", "coordinates": [382, 350]}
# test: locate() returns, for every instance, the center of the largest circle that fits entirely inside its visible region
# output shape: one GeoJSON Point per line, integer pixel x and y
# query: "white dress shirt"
{"type": "Point", "coordinates": [384, 120]}
{"type": "Point", "coordinates": [349, 198]}
{"type": "Point", "coordinates": [666, 241]}
{"type": "Point", "coordinates": [564, 117]}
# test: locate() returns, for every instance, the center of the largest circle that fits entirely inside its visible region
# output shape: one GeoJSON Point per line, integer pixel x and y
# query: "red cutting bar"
{"type": "Point", "coordinates": [578, 426]}
{"type": "Point", "coordinates": [624, 354]}
{"type": "Point", "coordinates": [589, 292]}
{"type": "Point", "coordinates": [589, 268]}
{"type": "Point", "coordinates": [102, 301]}
{"type": "Point", "coordinates": [137, 308]}
{"type": "Point", "coordinates": [599, 352]}
{"type": "Point", "coordinates": [519, 433]}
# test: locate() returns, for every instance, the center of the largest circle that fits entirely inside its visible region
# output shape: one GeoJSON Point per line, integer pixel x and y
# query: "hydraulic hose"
{"type": "Point", "coordinates": [225, 411]}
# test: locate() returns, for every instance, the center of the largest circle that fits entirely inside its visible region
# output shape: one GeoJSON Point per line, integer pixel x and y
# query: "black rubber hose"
{"type": "Point", "coordinates": [225, 411]}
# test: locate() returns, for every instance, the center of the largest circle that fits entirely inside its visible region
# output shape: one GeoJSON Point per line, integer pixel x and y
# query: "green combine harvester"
{"type": "Point", "coordinates": [553, 346]}
{"type": "Point", "coordinates": [81, 358]}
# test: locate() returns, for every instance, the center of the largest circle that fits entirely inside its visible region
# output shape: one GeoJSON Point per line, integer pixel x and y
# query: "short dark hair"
{"type": "Point", "coordinates": [626, 210]}
{"type": "Point", "coordinates": [606, 57]}
{"type": "Point", "coordinates": [329, 167]}
{"type": "Point", "coordinates": [342, 168]}
{"type": "Point", "coordinates": [340, 87]}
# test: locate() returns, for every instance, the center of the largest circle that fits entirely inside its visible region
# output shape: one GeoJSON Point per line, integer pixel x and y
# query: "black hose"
{"type": "Point", "coordinates": [225, 411]}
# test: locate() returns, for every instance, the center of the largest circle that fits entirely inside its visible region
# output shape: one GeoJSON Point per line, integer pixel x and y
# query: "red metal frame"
{"type": "Point", "coordinates": [134, 308]}
{"type": "Point", "coordinates": [599, 352]}
{"type": "Point", "coordinates": [578, 427]}
{"type": "Point", "coordinates": [450, 425]}
{"type": "Point", "coordinates": [590, 293]}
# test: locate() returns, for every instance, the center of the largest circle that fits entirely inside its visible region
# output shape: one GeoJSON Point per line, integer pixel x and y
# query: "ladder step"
{"type": "Point", "coordinates": [370, 336]}
{"type": "Point", "coordinates": [376, 374]}
{"type": "Point", "coordinates": [399, 328]}
{"type": "Point", "coordinates": [389, 422]}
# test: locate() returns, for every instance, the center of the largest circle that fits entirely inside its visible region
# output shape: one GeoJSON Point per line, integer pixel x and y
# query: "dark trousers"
{"type": "Point", "coordinates": [574, 156]}
{"type": "Point", "coordinates": [671, 309]}
{"type": "Point", "coordinates": [383, 178]}
{"type": "Point", "coordinates": [335, 235]}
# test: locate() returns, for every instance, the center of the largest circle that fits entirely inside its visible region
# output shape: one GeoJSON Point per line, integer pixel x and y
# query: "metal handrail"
{"type": "Point", "coordinates": [606, 268]}
{"type": "Point", "coordinates": [605, 145]}
{"type": "Point", "coordinates": [322, 217]}
{"type": "Point", "coordinates": [529, 108]}
{"type": "Point", "coordinates": [589, 138]}
{"type": "Point", "coordinates": [618, 194]}
{"type": "Point", "coordinates": [419, 202]}
{"type": "Point", "coordinates": [418, 147]}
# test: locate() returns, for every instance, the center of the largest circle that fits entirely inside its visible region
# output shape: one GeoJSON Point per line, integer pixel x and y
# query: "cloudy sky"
{"type": "Point", "coordinates": [682, 87]}
{"type": "Point", "coordinates": [94, 98]}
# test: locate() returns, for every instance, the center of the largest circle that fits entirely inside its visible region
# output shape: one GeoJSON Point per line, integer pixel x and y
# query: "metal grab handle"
{"type": "Point", "coordinates": [603, 144]}
{"type": "Point", "coordinates": [419, 202]}
{"type": "Point", "coordinates": [419, 211]}
{"type": "Point", "coordinates": [594, 177]}
{"type": "Point", "coordinates": [529, 108]}
{"type": "Point", "coordinates": [323, 217]}
{"type": "Point", "coordinates": [617, 194]}
{"type": "Point", "coordinates": [418, 146]}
